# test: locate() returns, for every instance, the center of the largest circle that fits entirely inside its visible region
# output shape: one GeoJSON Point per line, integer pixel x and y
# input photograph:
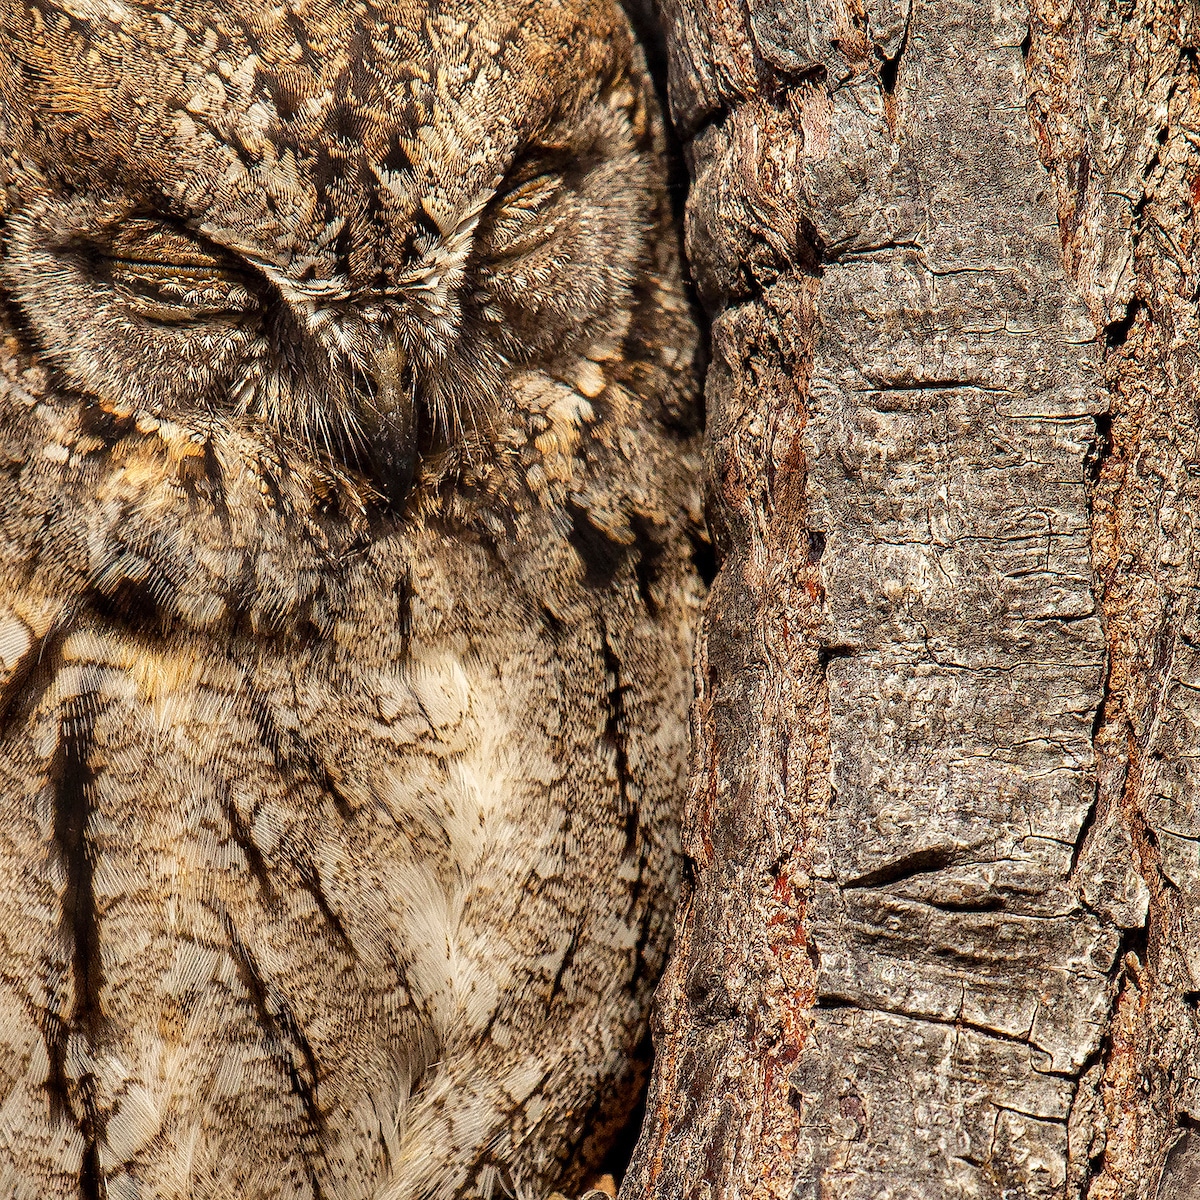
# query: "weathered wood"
{"type": "Point", "coordinates": [942, 939]}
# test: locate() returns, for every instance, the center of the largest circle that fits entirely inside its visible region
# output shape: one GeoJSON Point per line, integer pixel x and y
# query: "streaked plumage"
{"type": "Point", "coordinates": [347, 504]}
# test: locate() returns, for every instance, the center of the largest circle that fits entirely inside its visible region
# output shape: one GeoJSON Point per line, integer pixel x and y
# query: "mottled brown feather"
{"type": "Point", "coordinates": [347, 489]}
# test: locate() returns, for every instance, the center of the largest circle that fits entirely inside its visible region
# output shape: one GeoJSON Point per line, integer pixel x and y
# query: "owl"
{"type": "Point", "coordinates": [348, 522]}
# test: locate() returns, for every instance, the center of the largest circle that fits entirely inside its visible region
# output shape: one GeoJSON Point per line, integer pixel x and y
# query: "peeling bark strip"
{"type": "Point", "coordinates": [943, 935]}
{"type": "Point", "coordinates": [760, 780]}
{"type": "Point", "coordinates": [1115, 102]}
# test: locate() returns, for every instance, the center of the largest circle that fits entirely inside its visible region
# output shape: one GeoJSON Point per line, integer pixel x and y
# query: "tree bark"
{"type": "Point", "coordinates": [943, 937]}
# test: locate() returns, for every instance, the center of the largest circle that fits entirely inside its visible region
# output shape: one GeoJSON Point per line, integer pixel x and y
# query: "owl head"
{"type": "Point", "coordinates": [349, 225]}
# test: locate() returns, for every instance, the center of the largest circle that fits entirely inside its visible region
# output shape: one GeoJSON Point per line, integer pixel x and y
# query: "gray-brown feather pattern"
{"type": "Point", "coordinates": [346, 495]}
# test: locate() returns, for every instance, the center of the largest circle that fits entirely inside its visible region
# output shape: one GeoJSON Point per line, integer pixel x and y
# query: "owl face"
{"type": "Point", "coordinates": [349, 225]}
{"type": "Point", "coordinates": [347, 497]}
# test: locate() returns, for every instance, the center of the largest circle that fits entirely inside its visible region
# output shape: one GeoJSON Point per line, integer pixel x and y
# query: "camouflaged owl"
{"type": "Point", "coordinates": [348, 504]}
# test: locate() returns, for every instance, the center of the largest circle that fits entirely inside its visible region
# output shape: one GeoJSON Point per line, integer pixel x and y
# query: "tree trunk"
{"type": "Point", "coordinates": [943, 935]}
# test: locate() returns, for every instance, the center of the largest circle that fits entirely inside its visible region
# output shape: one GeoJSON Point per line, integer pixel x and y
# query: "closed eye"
{"type": "Point", "coordinates": [167, 276]}
{"type": "Point", "coordinates": [519, 220]}
{"type": "Point", "coordinates": [173, 295]}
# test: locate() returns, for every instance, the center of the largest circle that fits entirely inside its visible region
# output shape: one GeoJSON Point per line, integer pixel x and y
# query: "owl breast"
{"type": "Point", "coordinates": [348, 506]}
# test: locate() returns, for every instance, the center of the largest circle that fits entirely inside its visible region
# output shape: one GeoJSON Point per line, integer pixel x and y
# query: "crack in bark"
{"type": "Point", "coordinates": [889, 68]}
{"type": "Point", "coordinates": [832, 1002]}
{"type": "Point", "coordinates": [920, 862]}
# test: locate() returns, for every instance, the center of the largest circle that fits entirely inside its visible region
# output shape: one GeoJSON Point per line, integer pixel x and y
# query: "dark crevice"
{"type": "Point", "coordinates": [713, 117]}
{"type": "Point", "coordinates": [816, 546]}
{"type": "Point", "coordinates": [616, 1161]}
{"type": "Point", "coordinates": [889, 69]}
{"type": "Point", "coordinates": [1100, 448]}
{"type": "Point", "coordinates": [648, 30]}
{"type": "Point", "coordinates": [600, 556]}
{"type": "Point", "coordinates": [836, 253]}
{"type": "Point", "coordinates": [920, 862]}
{"type": "Point", "coordinates": [836, 1002]}
{"type": "Point", "coordinates": [810, 254]}
{"type": "Point", "coordinates": [133, 605]}
{"type": "Point", "coordinates": [814, 74]}
{"type": "Point", "coordinates": [1117, 332]}
{"type": "Point", "coordinates": [826, 654]}
{"type": "Point", "coordinates": [1133, 941]}
{"type": "Point", "coordinates": [1093, 812]}
{"type": "Point", "coordinates": [1089, 820]}
{"type": "Point", "coordinates": [704, 556]}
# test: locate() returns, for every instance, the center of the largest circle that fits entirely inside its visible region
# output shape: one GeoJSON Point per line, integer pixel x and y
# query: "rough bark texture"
{"type": "Point", "coordinates": [944, 934]}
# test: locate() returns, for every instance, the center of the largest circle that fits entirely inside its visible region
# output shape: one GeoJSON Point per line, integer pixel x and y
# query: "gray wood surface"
{"type": "Point", "coordinates": [942, 939]}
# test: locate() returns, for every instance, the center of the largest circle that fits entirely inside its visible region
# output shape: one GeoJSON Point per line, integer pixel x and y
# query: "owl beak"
{"type": "Point", "coordinates": [391, 427]}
